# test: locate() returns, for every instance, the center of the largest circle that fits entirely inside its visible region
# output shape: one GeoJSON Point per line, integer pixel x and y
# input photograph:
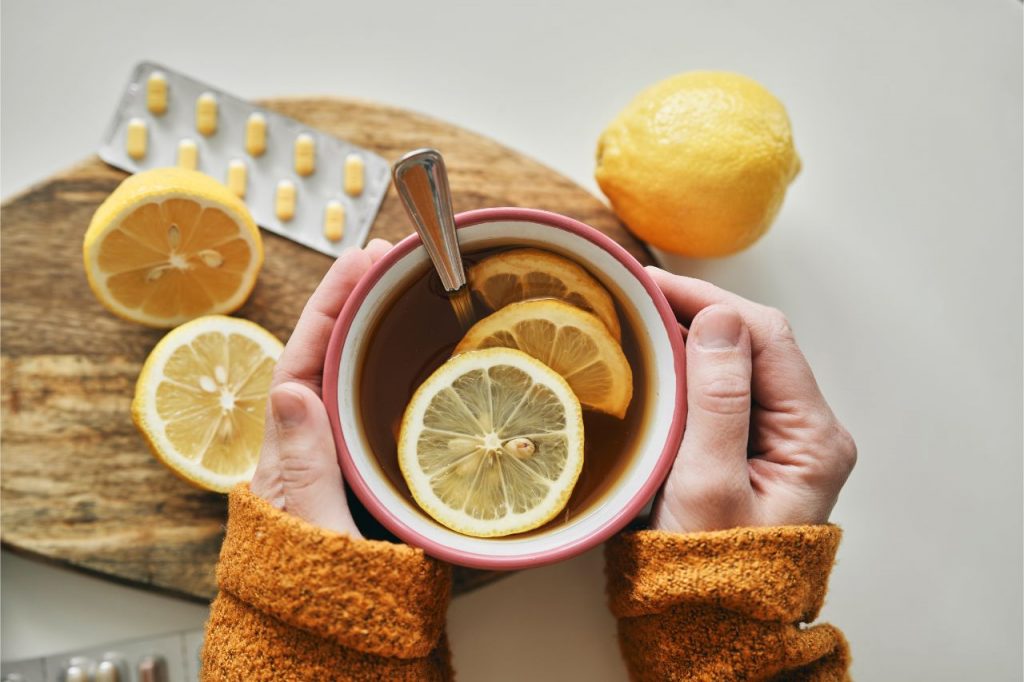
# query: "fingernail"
{"type": "Point", "coordinates": [288, 408]}
{"type": "Point", "coordinates": [717, 328]}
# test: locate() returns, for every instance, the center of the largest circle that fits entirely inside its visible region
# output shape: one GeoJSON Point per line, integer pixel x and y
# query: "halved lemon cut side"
{"type": "Point", "coordinates": [169, 245]}
{"type": "Point", "coordinates": [567, 339]}
{"type": "Point", "coordinates": [492, 443]}
{"type": "Point", "coordinates": [200, 400]}
{"type": "Point", "coordinates": [521, 274]}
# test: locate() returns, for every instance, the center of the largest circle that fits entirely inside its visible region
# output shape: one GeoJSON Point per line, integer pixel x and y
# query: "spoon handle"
{"type": "Point", "coordinates": [422, 184]}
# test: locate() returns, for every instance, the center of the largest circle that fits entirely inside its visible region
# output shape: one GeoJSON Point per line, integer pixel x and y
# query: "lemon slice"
{"type": "Point", "coordinates": [492, 443]}
{"type": "Point", "coordinates": [521, 274]}
{"type": "Point", "coordinates": [169, 245]}
{"type": "Point", "coordinates": [570, 341]}
{"type": "Point", "coordinates": [201, 397]}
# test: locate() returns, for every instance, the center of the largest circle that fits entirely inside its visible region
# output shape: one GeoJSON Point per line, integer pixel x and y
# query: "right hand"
{"type": "Point", "coordinates": [761, 446]}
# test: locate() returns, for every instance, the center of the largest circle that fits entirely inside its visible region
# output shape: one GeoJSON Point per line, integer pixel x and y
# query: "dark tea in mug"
{"type": "Point", "coordinates": [417, 332]}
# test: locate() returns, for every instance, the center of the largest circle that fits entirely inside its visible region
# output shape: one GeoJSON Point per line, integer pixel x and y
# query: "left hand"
{"type": "Point", "coordinates": [298, 470]}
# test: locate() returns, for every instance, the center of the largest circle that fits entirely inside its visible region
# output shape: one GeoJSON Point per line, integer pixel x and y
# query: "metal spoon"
{"type": "Point", "coordinates": [422, 184]}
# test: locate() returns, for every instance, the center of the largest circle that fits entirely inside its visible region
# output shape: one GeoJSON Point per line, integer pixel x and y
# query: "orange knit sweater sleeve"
{"type": "Point", "coordinates": [300, 603]}
{"type": "Point", "coordinates": [726, 605]}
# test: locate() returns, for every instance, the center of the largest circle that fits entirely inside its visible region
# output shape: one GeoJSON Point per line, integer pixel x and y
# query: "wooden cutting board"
{"type": "Point", "coordinates": [78, 484]}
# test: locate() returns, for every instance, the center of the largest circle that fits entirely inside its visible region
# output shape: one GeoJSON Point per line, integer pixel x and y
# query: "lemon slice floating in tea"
{"type": "Point", "coordinates": [201, 397]}
{"type": "Point", "coordinates": [567, 339]}
{"type": "Point", "coordinates": [169, 245]}
{"type": "Point", "coordinates": [521, 274]}
{"type": "Point", "coordinates": [492, 443]}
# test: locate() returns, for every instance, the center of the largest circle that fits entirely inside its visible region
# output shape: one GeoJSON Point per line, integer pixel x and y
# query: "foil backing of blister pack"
{"type": "Point", "coordinates": [298, 182]}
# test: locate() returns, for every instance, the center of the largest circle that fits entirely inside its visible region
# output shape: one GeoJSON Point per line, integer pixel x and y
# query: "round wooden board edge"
{"type": "Point", "coordinates": [152, 588]}
{"type": "Point", "coordinates": [93, 166]}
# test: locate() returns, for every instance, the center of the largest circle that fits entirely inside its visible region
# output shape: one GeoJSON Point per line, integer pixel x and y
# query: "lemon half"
{"type": "Point", "coordinates": [169, 245]}
{"type": "Point", "coordinates": [201, 398]}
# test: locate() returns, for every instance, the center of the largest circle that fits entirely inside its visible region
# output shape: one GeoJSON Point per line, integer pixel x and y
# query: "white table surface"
{"type": "Point", "coordinates": [897, 255]}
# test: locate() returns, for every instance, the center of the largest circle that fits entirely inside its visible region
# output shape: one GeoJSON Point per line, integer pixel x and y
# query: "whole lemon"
{"type": "Point", "coordinates": [698, 164]}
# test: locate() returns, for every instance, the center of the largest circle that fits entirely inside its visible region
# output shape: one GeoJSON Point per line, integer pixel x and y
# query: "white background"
{"type": "Point", "coordinates": [897, 255]}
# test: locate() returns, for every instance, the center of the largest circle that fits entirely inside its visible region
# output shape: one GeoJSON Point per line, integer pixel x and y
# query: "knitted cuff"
{"type": "Point", "coordinates": [373, 597]}
{"type": "Point", "coordinates": [772, 574]}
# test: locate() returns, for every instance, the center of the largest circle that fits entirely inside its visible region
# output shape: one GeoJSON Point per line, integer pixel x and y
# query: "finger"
{"type": "Point", "coordinates": [718, 378]}
{"type": "Point", "coordinates": [303, 358]}
{"type": "Point", "coordinates": [377, 248]}
{"type": "Point", "coordinates": [311, 481]}
{"type": "Point", "coordinates": [688, 296]}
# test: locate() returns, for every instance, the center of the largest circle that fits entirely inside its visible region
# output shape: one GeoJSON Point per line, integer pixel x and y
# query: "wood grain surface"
{"type": "Point", "coordinates": [78, 484]}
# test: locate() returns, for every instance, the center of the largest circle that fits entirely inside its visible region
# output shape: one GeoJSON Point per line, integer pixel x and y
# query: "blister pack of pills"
{"type": "Point", "coordinates": [302, 184]}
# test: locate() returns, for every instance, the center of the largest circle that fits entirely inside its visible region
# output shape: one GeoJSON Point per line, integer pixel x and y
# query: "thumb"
{"type": "Point", "coordinates": [310, 476]}
{"type": "Point", "coordinates": [718, 374]}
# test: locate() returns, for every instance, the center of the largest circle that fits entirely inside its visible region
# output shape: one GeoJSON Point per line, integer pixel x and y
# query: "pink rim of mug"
{"type": "Point", "coordinates": [531, 559]}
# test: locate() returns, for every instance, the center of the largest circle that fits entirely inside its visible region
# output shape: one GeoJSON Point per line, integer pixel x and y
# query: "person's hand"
{"type": "Point", "coordinates": [761, 446]}
{"type": "Point", "coordinates": [298, 469]}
